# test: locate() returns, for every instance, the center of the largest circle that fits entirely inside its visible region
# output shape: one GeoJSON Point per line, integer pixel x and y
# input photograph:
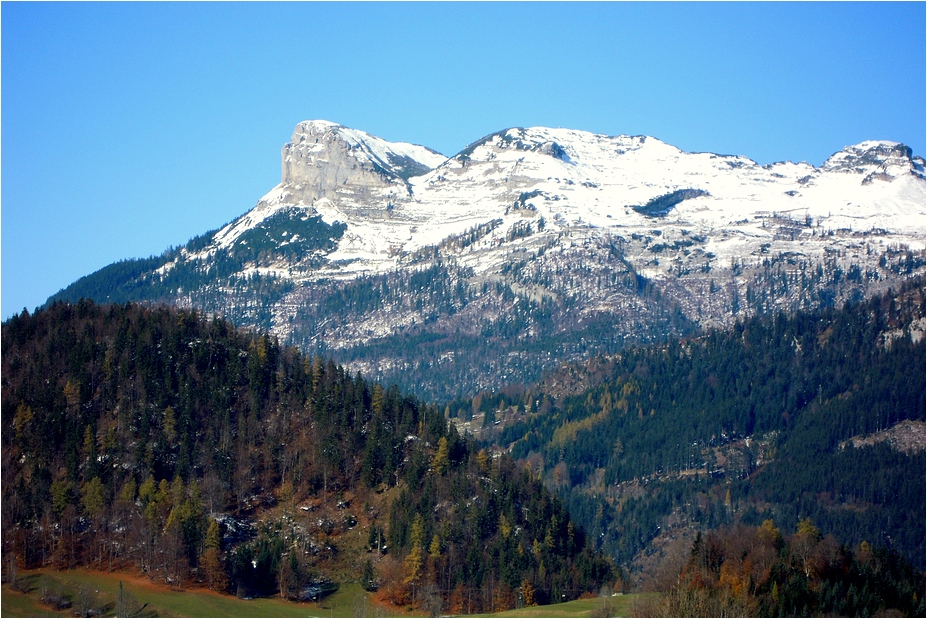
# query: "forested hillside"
{"type": "Point", "coordinates": [744, 425]}
{"type": "Point", "coordinates": [171, 443]}
{"type": "Point", "coordinates": [745, 571]}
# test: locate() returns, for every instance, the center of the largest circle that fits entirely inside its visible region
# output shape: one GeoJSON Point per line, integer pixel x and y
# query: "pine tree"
{"type": "Point", "coordinates": [368, 578]}
{"type": "Point", "coordinates": [440, 462]}
{"type": "Point", "coordinates": [412, 567]}
{"type": "Point", "coordinates": [210, 562]}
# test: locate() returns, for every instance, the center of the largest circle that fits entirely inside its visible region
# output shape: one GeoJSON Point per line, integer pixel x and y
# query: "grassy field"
{"type": "Point", "coordinates": [100, 590]}
{"type": "Point", "coordinates": [619, 606]}
{"type": "Point", "coordinates": [153, 600]}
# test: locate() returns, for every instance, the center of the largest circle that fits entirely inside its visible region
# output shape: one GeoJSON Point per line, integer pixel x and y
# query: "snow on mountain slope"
{"type": "Point", "coordinates": [397, 198]}
{"type": "Point", "coordinates": [331, 164]}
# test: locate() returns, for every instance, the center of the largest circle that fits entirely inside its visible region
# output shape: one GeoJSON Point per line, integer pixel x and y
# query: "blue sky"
{"type": "Point", "coordinates": [128, 128]}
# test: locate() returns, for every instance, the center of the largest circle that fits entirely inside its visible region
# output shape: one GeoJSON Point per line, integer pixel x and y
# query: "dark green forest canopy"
{"type": "Point", "coordinates": [125, 419]}
{"type": "Point", "coordinates": [288, 235]}
{"type": "Point", "coordinates": [778, 397]}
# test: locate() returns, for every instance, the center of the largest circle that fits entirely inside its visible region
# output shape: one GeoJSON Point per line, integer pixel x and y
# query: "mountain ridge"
{"type": "Point", "coordinates": [859, 157]}
{"type": "Point", "coordinates": [532, 233]}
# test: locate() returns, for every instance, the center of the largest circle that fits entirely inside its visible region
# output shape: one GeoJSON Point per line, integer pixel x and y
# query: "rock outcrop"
{"type": "Point", "coordinates": [359, 173]}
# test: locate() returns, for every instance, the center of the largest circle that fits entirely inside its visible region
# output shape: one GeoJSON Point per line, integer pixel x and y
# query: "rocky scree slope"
{"type": "Point", "coordinates": [532, 247]}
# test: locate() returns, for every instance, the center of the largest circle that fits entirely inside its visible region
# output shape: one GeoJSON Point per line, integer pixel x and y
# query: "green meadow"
{"type": "Point", "coordinates": [618, 606]}
{"type": "Point", "coordinates": [100, 591]}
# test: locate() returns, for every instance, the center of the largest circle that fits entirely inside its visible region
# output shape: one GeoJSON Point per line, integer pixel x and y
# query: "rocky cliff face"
{"type": "Point", "coordinates": [362, 174]}
{"type": "Point", "coordinates": [534, 246]}
{"type": "Point", "coordinates": [870, 157]}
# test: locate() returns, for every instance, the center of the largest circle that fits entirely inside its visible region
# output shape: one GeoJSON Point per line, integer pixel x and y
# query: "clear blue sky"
{"type": "Point", "coordinates": [128, 128]}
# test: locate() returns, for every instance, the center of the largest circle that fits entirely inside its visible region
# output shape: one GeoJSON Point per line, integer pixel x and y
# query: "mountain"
{"type": "Point", "coordinates": [532, 247]}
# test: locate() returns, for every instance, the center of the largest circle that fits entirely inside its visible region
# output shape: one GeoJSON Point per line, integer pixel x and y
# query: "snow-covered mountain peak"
{"type": "Point", "coordinates": [315, 142]}
{"type": "Point", "coordinates": [396, 199]}
{"type": "Point", "coordinates": [565, 144]}
{"type": "Point", "coordinates": [340, 173]}
{"type": "Point", "coordinates": [315, 126]}
{"type": "Point", "coordinates": [872, 156]}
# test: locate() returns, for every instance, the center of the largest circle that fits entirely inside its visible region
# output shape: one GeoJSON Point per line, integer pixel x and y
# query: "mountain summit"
{"type": "Point", "coordinates": [533, 246]}
{"type": "Point", "coordinates": [322, 157]}
{"type": "Point", "coordinates": [398, 197]}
